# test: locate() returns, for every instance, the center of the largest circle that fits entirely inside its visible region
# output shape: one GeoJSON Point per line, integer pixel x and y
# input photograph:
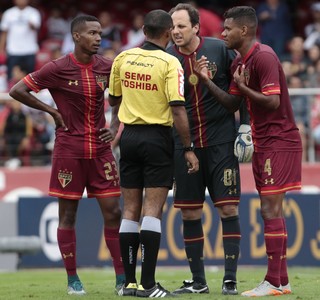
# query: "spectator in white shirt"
{"type": "Point", "coordinates": [19, 35]}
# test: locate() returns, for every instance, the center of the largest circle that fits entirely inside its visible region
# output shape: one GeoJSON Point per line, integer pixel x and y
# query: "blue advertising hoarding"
{"type": "Point", "coordinates": [39, 216]}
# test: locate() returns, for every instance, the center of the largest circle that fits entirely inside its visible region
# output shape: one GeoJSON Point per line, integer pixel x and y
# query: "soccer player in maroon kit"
{"type": "Point", "coordinates": [277, 156]}
{"type": "Point", "coordinates": [82, 156]}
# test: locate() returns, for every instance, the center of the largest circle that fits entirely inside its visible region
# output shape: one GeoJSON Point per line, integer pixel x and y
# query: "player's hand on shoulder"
{"type": "Point", "coordinates": [106, 135]}
{"type": "Point", "coordinates": [243, 145]}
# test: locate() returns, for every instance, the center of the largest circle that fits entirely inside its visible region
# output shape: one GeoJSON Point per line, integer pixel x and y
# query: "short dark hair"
{"type": "Point", "coordinates": [156, 22]}
{"type": "Point", "coordinates": [79, 21]}
{"type": "Point", "coordinates": [243, 15]}
{"type": "Point", "coordinates": [192, 12]}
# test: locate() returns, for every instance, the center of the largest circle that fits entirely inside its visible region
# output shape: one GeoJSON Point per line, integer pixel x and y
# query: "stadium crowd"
{"type": "Point", "coordinates": [292, 28]}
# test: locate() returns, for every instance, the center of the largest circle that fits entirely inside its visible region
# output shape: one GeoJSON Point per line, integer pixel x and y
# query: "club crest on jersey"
{"type": "Point", "coordinates": [64, 177]}
{"type": "Point", "coordinates": [246, 74]}
{"type": "Point", "coordinates": [102, 81]}
{"type": "Point", "coordinates": [212, 69]}
{"type": "Point", "coordinates": [193, 79]}
{"type": "Point", "coordinates": [73, 82]}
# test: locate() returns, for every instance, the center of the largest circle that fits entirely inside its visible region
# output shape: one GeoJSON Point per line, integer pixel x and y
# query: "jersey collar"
{"type": "Point", "coordinates": [79, 63]}
{"type": "Point", "coordinates": [255, 45]}
{"type": "Point", "coordinates": [151, 46]}
{"type": "Point", "coordinates": [201, 41]}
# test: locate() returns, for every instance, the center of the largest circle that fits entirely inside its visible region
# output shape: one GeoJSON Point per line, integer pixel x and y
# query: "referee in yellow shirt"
{"type": "Point", "coordinates": [148, 83]}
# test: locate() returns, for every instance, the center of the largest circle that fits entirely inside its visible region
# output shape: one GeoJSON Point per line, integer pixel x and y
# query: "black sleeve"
{"type": "Point", "coordinates": [244, 114]}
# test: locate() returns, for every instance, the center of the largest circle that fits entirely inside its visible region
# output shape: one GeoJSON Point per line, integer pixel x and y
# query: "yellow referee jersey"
{"type": "Point", "coordinates": [148, 79]}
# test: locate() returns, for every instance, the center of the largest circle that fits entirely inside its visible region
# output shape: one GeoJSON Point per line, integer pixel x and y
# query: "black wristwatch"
{"type": "Point", "coordinates": [191, 148]}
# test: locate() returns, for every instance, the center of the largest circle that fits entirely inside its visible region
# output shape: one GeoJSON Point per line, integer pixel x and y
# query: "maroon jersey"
{"type": "Point", "coordinates": [272, 130]}
{"type": "Point", "coordinates": [78, 91]}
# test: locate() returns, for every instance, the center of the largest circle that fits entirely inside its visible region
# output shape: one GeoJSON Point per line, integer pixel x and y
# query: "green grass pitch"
{"type": "Point", "coordinates": [99, 283]}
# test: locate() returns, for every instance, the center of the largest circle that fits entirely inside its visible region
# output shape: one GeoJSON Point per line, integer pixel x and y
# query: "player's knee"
{"type": "Point", "coordinates": [270, 208]}
{"type": "Point", "coordinates": [116, 213]}
{"type": "Point", "coordinates": [112, 215]}
{"type": "Point", "coordinates": [67, 220]}
{"type": "Point", "coordinates": [228, 211]}
{"type": "Point", "coordinates": [271, 213]}
{"type": "Point", "coordinates": [191, 214]}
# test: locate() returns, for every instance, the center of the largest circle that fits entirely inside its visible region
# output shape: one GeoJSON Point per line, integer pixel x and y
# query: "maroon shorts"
{"type": "Point", "coordinates": [70, 176]}
{"type": "Point", "coordinates": [277, 172]}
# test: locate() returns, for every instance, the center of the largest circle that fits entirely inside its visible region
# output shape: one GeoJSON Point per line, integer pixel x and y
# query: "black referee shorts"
{"type": "Point", "coordinates": [146, 156]}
